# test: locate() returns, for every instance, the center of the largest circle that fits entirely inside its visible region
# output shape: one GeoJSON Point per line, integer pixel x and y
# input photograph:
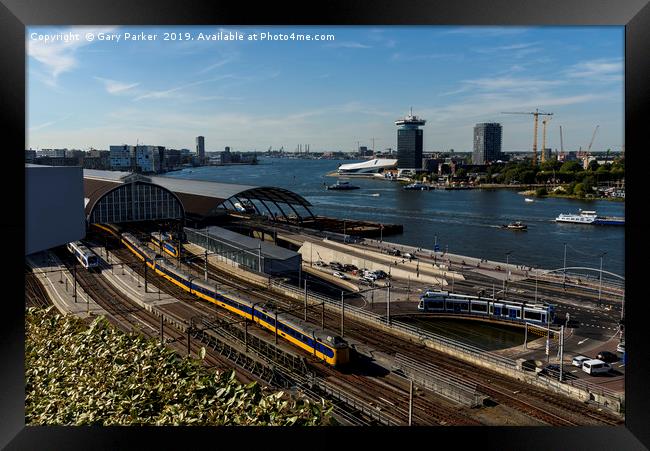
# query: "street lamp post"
{"type": "Point", "coordinates": [507, 270]}
{"type": "Point", "coordinates": [564, 267]}
{"type": "Point", "coordinates": [600, 281]}
{"type": "Point", "coordinates": [536, 277]}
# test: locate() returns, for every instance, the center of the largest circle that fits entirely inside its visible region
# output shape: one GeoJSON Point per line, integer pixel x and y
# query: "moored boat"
{"type": "Point", "coordinates": [342, 186]}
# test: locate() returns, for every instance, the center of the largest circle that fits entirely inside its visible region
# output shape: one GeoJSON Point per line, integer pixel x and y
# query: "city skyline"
{"type": "Point", "coordinates": [253, 95]}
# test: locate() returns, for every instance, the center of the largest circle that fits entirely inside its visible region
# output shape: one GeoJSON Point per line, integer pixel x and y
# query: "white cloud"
{"type": "Point", "coordinates": [59, 56]}
{"type": "Point", "coordinates": [173, 92]}
{"type": "Point", "coordinates": [598, 70]}
{"type": "Point", "coordinates": [116, 87]}
{"type": "Point", "coordinates": [348, 45]}
{"type": "Point", "coordinates": [47, 124]}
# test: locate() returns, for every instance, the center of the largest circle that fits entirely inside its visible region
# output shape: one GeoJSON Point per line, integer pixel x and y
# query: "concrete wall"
{"type": "Point", "coordinates": [54, 206]}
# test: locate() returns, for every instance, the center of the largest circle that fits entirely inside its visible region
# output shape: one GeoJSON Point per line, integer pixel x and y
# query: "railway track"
{"type": "Point", "coordinates": [548, 407]}
{"type": "Point", "coordinates": [423, 406]}
{"type": "Point", "coordinates": [35, 294]}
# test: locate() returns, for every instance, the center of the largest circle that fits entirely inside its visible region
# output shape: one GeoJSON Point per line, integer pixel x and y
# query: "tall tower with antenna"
{"type": "Point", "coordinates": [410, 138]}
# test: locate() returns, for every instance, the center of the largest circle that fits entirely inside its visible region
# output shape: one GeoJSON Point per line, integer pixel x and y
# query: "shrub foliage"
{"type": "Point", "coordinates": [79, 374]}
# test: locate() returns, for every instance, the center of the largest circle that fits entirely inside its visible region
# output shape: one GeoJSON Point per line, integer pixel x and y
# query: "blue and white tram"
{"type": "Point", "coordinates": [86, 257]}
{"type": "Point", "coordinates": [444, 302]}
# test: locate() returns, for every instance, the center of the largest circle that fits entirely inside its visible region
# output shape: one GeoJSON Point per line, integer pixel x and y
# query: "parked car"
{"type": "Point", "coordinates": [607, 356]}
{"type": "Point", "coordinates": [394, 252]}
{"type": "Point", "coordinates": [381, 274]}
{"type": "Point", "coordinates": [340, 275]}
{"type": "Point", "coordinates": [370, 275]}
{"type": "Point", "coordinates": [350, 268]}
{"type": "Point", "coordinates": [579, 360]}
{"type": "Point", "coordinates": [409, 256]}
{"type": "Point", "coordinates": [553, 371]}
{"type": "Point", "coordinates": [595, 366]}
{"type": "Point", "coordinates": [363, 281]}
{"type": "Point", "coordinates": [321, 263]}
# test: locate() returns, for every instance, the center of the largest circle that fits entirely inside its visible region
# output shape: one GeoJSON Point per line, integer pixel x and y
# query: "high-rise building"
{"type": "Point", "coordinates": [409, 142]}
{"type": "Point", "coordinates": [200, 148]}
{"type": "Point", "coordinates": [487, 143]}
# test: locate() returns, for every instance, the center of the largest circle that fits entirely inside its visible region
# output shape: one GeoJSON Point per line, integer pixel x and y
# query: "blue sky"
{"type": "Point", "coordinates": [250, 95]}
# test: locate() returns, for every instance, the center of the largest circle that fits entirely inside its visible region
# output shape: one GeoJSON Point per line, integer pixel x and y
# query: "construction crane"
{"type": "Point", "coordinates": [536, 114]}
{"type": "Point", "coordinates": [592, 140]}
{"type": "Point", "coordinates": [561, 141]}
{"type": "Point", "coordinates": [544, 138]}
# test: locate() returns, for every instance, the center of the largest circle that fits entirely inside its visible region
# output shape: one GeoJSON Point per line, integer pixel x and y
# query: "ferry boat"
{"type": "Point", "coordinates": [342, 186]}
{"type": "Point", "coordinates": [590, 217]}
{"type": "Point", "coordinates": [417, 186]}
{"type": "Point", "coordinates": [517, 225]}
{"type": "Point", "coordinates": [528, 199]}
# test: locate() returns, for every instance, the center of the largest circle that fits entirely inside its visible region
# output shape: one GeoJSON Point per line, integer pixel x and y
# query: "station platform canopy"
{"type": "Point", "coordinates": [201, 199]}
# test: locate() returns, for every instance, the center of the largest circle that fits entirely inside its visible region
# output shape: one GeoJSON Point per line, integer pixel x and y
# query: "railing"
{"type": "Point", "coordinates": [440, 381]}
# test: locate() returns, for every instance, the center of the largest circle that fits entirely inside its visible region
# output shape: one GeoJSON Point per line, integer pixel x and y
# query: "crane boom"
{"type": "Point", "coordinates": [592, 138]}
{"type": "Point", "coordinates": [536, 114]}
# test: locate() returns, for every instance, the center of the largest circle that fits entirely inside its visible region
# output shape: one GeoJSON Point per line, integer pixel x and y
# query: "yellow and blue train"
{"type": "Point", "coordinates": [322, 344]}
{"type": "Point", "coordinates": [165, 243]}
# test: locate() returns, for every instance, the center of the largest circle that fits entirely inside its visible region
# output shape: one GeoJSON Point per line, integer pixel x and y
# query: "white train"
{"type": "Point", "coordinates": [86, 257]}
{"type": "Point", "coordinates": [445, 302]}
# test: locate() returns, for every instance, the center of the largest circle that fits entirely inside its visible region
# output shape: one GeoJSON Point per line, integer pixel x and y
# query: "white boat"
{"type": "Point", "coordinates": [589, 217]}
{"type": "Point", "coordinates": [375, 194]}
{"type": "Point", "coordinates": [528, 199]}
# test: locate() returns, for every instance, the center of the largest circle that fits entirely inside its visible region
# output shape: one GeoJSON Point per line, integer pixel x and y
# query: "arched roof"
{"type": "Point", "coordinates": [128, 198]}
{"type": "Point", "coordinates": [203, 198]}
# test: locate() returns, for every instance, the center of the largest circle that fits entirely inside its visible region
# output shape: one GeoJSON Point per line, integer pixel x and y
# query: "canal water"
{"type": "Point", "coordinates": [464, 222]}
{"type": "Point", "coordinates": [486, 336]}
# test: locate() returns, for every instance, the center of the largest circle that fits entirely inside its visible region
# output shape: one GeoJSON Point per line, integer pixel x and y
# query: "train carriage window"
{"type": "Point", "coordinates": [479, 307]}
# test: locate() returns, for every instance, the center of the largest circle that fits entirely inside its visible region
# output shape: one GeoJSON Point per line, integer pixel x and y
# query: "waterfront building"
{"type": "Point", "coordinates": [226, 156]}
{"type": "Point", "coordinates": [30, 156]}
{"type": "Point", "coordinates": [368, 167]}
{"type": "Point", "coordinates": [172, 158]}
{"type": "Point", "coordinates": [53, 153]}
{"type": "Point", "coordinates": [121, 157]}
{"type": "Point", "coordinates": [200, 148]}
{"type": "Point", "coordinates": [409, 142]}
{"type": "Point", "coordinates": [487, 143]}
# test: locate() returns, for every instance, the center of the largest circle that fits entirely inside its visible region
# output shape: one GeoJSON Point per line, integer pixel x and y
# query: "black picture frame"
{"type": "Point", "coordinates": [15, 15]}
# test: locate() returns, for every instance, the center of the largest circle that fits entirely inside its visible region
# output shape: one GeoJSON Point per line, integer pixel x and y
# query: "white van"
{"type": "Point", "coordinates": [595, 366]}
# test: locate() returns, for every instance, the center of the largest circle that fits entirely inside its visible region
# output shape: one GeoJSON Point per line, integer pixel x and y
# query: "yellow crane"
{"type": "Point", "coordinates": [544, 137]}
{"type": "Point", "coordinates": [536, 114]}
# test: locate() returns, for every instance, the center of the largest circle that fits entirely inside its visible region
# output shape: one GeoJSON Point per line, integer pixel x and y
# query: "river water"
{"type": "Point", "coordinates": [465, 222]}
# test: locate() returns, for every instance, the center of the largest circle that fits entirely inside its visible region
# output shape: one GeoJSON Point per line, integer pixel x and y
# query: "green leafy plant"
{"type": "Point", "coordinates": [79, 374]}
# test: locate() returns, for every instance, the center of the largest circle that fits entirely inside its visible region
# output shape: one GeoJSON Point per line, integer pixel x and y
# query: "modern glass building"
{"type": "Point", "coordinates": [409, 142]}
{"type": "Point", "coordinates": [487, 143]}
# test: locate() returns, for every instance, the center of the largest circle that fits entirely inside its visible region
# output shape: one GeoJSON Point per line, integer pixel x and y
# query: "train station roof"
{"type": "Point", "coordinates": [200, 198]}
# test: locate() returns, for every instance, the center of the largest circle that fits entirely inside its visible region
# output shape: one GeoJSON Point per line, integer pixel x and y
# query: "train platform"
{"type": "Point", "coordinates": [130, 282]}
{"type": "Point", "coordinates": [59, 286]}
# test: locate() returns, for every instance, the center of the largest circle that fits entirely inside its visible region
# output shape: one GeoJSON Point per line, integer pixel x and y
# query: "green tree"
{"type": "Point", "coordinates": [579, 190]}
{"type": "Point", "coordinates": [593, 165]}
{"type": "Point", "coordinates": [541, 192]}
{"type": "Point", "coordinates": [571, 166]}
